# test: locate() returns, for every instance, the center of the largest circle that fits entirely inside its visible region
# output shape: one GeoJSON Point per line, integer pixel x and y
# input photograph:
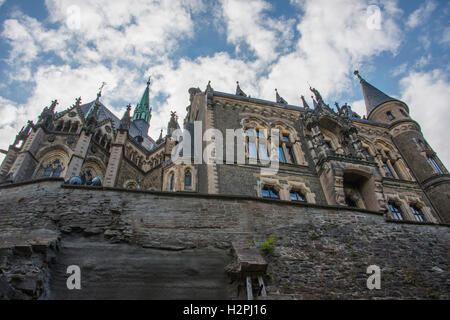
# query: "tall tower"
{"type": "Point", "coordinates": [406, 134]}
{"type": "Point", "coordinates": [143, 112]}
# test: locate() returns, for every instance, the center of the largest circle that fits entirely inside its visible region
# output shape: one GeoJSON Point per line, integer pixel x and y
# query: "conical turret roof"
{"type": "Point", "coordinates": [373, 97]}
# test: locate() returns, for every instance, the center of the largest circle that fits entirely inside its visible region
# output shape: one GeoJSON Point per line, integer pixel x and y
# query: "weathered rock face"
{"type": "Point", "coordinates": [118, 271]}
{"type": "Point", "coordinates": [141, 245]}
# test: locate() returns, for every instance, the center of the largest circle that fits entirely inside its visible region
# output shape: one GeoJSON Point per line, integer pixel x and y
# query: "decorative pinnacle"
{"type": "Point", "coordinates": [149, 82]}
{"type": "Point", "coordinates": [356, 73]}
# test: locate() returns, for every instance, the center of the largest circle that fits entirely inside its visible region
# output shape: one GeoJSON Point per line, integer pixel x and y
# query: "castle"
{"type": "Point", "coordinates": [327, 155]}
{"type": "Point", "coordinates": [83, 188]}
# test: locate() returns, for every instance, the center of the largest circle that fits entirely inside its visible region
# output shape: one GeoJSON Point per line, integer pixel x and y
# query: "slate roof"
{"type": "Point", "coordinates": [104, 113]}
{"type": "Point", "coordinates": [373, 97]}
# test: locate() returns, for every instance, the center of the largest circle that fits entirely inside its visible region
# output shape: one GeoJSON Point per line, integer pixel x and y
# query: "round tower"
{"type": "Point", "coordinates": [407, 135]}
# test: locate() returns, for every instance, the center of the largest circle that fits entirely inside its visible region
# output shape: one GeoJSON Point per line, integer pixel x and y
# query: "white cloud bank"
{"type": "Point", "coordinates": [427, 94]}
{"type": "Point", "coordinates": [122, 43]}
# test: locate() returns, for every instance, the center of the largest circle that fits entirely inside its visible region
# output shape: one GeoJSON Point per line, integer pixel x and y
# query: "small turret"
{"type": "Point", "coordinates": [381, 107]}
{"type": "Point", "coordinates": [143, 112]}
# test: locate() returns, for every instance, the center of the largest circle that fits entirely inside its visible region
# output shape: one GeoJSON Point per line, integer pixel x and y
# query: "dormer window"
{"type": "Point", "coordinates": [390, 116]}
{"type": "Point", "coordinates": [435, 165]}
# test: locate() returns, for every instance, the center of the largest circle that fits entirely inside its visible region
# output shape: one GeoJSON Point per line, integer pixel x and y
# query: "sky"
{"type": "Point", "coordinates": [62, 49]}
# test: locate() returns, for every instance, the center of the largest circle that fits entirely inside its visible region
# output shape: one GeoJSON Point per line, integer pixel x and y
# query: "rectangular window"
{"type": "Point", "coordinates": [388, 170]}
{"type": "Point", "coordinates": [289, 154]}
{"type": "Point", "coordinates": [297, 196]}
{"type": "Point", "coordinates": [281, 154]}
{"type": "Point", "coordinates": [270, 193]}
{"type": "Point", "coordinates": [390, 115]}
{"type": "Point", "coordinates": [252, 150]}
{"type": "Point", "coordinates": [396, 211]}
{"type": "Point", "coordinates": [263, 153]}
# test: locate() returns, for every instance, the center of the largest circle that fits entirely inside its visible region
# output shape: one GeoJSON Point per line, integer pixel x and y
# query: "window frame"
{"type": "Point", "coordinates": [271, 191]}
{"type": "Point", "coordinates": [397, 213]}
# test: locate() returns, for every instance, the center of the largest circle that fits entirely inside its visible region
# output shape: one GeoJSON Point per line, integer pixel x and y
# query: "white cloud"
{"type": "Point", "coordinates": [420, 16]}
{"type": "Point", "coordinates": [401, 69]}
{"type": "Point", "coordinates": [334, 40]}
{"type": "Point", "coordinates": [427, 94]}
{"type": "Point", "coordinates": [174, 82]}
{"type": "Point", "coordinates": [247, 22]}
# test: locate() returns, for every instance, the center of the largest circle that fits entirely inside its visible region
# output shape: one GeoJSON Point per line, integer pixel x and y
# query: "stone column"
{"type": "Point", "coordinates": [25, 164]}
{"type": "Point", "coordinates": [115, 159]}
{"type": "Point", "coordinates": [74, 168]}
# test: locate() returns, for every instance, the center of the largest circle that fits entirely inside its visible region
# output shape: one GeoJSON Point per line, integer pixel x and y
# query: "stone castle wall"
{"type": "Point", "coordinates": [151, 245]}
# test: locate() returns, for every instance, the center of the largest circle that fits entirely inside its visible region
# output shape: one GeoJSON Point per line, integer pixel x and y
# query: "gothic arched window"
{"type": "Point", "coordinates": [53, 170]}
{"type": "Point", "coordinates": [172, 182]}
{"type": "Point", "coordinates": [48, 171]}
{"type": "Point", "coordinates": [188, 178]}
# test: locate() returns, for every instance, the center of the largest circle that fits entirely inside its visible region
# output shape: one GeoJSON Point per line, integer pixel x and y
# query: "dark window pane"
{"type": "Point", "coordinates": [396, 211]}
{"type": "Point", "coordinates": [297, 196]}
{"type": "Point", "coordinates": [390, 115]}
{"type": "Point", "coordinates": [268, 192]}
{"type": "Point", "coordinates": [290, 155]}
{"type": "Point", "coordinates": [172, 182]}
{"type": "Point", "coordinates": [388, 170]}
{"type": "Point", "coordinates": [418, 214]}
{"type": "Point", "coordinates": [281, 155]}
{"type": "Point", "coordinates": [57, 172]}
{"type": "Point", "coordinates": [188, 179]}
{"type": "Point", "coordinates": [435, 165]}
{"type": "Point", "coordinates": [48, 172]}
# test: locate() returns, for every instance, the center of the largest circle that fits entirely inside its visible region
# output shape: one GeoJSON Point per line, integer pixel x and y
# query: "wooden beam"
{"type": "Point", "coordinates": [249, 288]}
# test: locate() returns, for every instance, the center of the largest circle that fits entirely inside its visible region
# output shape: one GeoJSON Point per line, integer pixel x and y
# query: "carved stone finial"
{"type": "Point", "coordinates": [239, 91]}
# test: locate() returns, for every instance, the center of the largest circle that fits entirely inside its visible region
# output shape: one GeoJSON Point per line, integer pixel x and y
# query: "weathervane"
{"type": "Point", "coordinates": [101, 89]}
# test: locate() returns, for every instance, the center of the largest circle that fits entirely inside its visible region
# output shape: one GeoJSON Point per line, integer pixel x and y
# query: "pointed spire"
{"type": "Point", "coordinates": [305, 104]}
{"type": "Point", "coordinates": [160, 139]}
{"type": "Point", "coordinates": [279, 99]}
{"type": "Point", "coordinates": [373, 97]}
{"type": "Point", "coordinates": [143, 112]}
{"type": "Point", "coordinates": [126, 119]}
{"type": "Point", "coordinates": [239, 91]}
{"type": "Point", "coordinates": [53, 106]}
{"type": "Point", "coordinates": [77, 102]}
